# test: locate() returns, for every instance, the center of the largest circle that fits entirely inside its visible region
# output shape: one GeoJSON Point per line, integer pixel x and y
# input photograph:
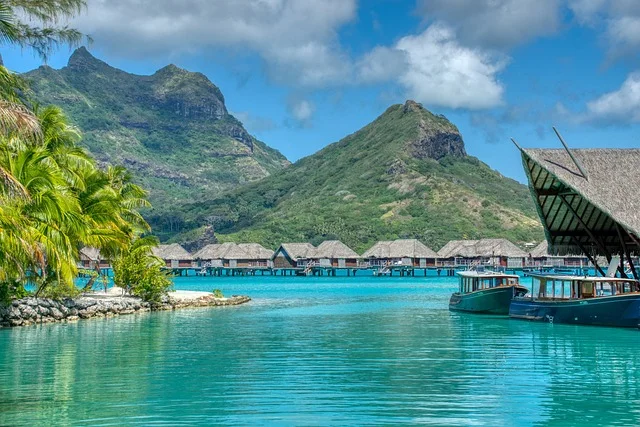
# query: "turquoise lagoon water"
{"type": "Point", "coordinates": [319, 351]}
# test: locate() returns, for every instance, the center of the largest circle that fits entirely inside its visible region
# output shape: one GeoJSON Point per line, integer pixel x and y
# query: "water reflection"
{"type": "Point", "coordinates": [330, 355]}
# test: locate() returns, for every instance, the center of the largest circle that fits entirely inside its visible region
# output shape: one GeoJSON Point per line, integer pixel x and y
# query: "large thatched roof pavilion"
{"type": "Point", "coordinates": [587, 200]}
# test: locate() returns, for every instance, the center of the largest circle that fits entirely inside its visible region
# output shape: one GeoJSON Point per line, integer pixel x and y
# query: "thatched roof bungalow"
{"type": "Point", "coordinates": [293, 255]}
{"type": "Point", "coordinates": [334, 253]}
{"type": "Point", "coordinates": [234, 255]}
{"type": "Point", "coordinates": [541, 257]}
{"type": "Point", "coordinates": [174, 255]}
{"type": "Point", "coordinates": [408, 252]}
{"type": "Point", "coordinates": [91, 258]}
{"type": "Point", "coordinates": [494, 252]}
{"type": "Point", "coordinates": [586, 200]}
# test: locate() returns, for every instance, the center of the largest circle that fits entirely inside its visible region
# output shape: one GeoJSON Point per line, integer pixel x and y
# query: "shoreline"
{"type": "Point", "coordinates": [32, 311]}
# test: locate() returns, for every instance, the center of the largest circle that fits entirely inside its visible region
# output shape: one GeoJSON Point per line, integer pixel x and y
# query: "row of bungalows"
{"type": "Point", "coordinates": [483, 252]}
{"type": "Point", "coordinates": [329, 254]}
{"type": "Point", "coordinates": [234, 255]}
{"type": "Point", "coordinates": [401, 252]}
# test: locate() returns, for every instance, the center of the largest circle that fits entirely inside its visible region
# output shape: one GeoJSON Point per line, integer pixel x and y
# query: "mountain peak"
{"type": "Point", "coordinates": [411, 105]}
{"type": "Point", "coordinates": [82, 59]}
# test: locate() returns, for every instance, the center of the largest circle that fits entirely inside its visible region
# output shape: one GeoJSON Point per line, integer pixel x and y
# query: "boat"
{"type": "Point", "coordinates": [583, 300]}
{"type": "Point", "coordinates": [486, 292]}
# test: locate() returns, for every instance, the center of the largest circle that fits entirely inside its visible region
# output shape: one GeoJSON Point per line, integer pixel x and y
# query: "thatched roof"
{"type": "Point", "coordinates": [334, 249]}
{"type": "Point", "coordinates": [586, 212]}
{"type": "Point", "coordinates": [172, 252]}
{"type": "Point", "coordinates": [401, 248]}
{"type": "Point", "coordinates": [256, 251]}
{"type": "Point", "coordinates": [230, 250]}
{"type": "Point", "coordinates": [298, 250]}
{"type": "Point", "coordinates": [208, 252]}
{"type": "Point", "coordinates": [89, 253]}
{"type": "Point", "coordinates": [481, 248]}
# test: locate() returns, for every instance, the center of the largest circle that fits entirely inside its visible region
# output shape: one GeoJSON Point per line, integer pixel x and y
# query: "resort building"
{"type": "Point", "coordinates": [293, 255]}
{"type": "Point", "coordinates": [174, 256]}
{"type": "Point", "coordinates": [539, 257]}
{"type": "Point", "coordinates": [401, 252]}
{"type": "Point", "coordinates": [483, 252]}
{"type": "Point", "coordinates": [586, 200]}
{"type": "Point", "coordinates": [334, 253]}
{"type": "Point", "coordinates": [234, 255]}
{"type": "Point", "coordinates": [91, 259]}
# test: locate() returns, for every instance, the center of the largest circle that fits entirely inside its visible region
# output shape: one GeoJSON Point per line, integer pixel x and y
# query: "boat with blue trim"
{"type": "Point", "coordinates": [485, 292]}
{"type": "Point", "coordinates": [583, 300]}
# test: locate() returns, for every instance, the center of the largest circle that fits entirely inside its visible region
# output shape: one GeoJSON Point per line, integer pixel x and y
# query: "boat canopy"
{"type": "Point", "coordinates": [555, 287]}
{"type": "Point", "coordinates": [472, 281]}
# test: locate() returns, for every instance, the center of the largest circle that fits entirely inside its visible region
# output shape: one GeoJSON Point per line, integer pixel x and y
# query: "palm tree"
{"type": "Point", "coordinates": [17, 18]}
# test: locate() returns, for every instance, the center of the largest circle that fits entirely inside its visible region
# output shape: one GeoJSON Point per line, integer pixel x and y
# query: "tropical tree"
{"type": "Point", "coordinates": [34, 24]}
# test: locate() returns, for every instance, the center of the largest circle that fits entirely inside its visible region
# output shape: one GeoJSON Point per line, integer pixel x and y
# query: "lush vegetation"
{"type": "Point", "coordinates": [140, 273]}
{"type": "Point", "coordinates": [54, 198]}
{"type": "Point", "coordinates": [376, 184]}
{"type": "Point", "coordinates": [171, 129]}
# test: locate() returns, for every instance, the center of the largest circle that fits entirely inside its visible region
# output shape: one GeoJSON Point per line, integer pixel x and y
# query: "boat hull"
{"type": "Point", "coordinates": [487, 301]}
{"type": "Point", "coordinates": [618, 311]}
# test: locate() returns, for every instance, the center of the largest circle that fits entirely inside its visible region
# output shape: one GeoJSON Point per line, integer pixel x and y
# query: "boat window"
{"type": "Point", "coordinates": [587, 290]}
{"type": "Point", "coordinates": [604, 289]}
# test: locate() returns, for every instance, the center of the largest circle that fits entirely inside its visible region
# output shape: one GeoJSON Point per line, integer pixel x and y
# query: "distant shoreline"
{"type": "Point", "coordinates": [32, 311]}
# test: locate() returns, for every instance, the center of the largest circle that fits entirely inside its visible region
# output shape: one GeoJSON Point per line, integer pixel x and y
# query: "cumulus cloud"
{"type": "Point", "coordinates": [441, 72]}
{"type": "Point", "coordinates": [495, 23]}
{"type": "Point", "coordinates": [296, 38]}
{"type": "Point", "coordinates": [301, 110]}
{"type": "Point", "coordinates": [619, 18]}
{"type": "Point", "coordinates": [381, 64]}
{"type": "Point", "coordinates": [618, 107]}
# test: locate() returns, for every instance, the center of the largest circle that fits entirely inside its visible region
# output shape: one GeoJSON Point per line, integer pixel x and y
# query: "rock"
{"type": "Point", "coordinates": [56, 314]}
{"type": "Point", "coordinates": [43, 311]}
{"type": "Point", "coordinates": [28, 312]}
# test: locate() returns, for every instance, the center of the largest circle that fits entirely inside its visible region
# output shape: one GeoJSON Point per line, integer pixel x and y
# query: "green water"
{"type": "Point", "coordinates": [319, 351]}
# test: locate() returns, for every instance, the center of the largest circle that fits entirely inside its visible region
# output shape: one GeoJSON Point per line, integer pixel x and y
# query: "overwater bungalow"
{"type": "Point", "coordinates": [483, 252]}
{"type": "Point", "coordinates": [335, 254]}
{"type": "Point", "coordinates": [256, 255]}
{"type": "Point", "coordinates": [174, 256]}
{"type": "Point", "coordinates": [539, 257]}
{"type": "Point", "coordinates": [293, 255]}
{"type": "Point", "coordinates": [208, 256]}
{"type": "Point", "coordinates": [234, 255]}
{"type": "Point", "coordinates": [401, 252]}
{"type": "Point", "coordinates": [587, 202]}
{"type": "Point", "coordinates": [91, 259]}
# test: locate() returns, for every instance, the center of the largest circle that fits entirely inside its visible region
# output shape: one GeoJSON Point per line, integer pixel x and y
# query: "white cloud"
{"type": "Point", "coordinates": [495, 23]}
{"type": "Point", "coordinates": [381, 64]}
{"type": "Point", "coordinates": [620, 19]}
{"type": "Point", "coordinates": [301, 109]}
{"type": "Point", "coordinates": [619, 106]}
{"type": "Point", "coordinates": [441, 72]}
{"type": "Point", "coordinates": [296, 38]}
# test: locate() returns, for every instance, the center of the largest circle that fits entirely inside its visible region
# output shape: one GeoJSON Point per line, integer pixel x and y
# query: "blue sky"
{"type": "Point", "coordinates": [302, 74]}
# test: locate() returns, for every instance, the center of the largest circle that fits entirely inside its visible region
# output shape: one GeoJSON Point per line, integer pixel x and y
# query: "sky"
{"type": "Point", "coordinates": [301, 74]}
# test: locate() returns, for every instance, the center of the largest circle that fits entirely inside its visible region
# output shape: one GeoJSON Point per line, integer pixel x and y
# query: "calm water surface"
{"type": "Point", "coordinates": [319, 351]}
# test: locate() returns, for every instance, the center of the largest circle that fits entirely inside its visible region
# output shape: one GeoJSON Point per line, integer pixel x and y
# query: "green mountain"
{"type": "Point", "coordinates": [405, 175]}
{"type": "Point", "coordinates": [171, 129]}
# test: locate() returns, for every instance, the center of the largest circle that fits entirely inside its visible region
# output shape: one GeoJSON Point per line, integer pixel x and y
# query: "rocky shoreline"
{"type": "Point", "coordinates": [30, 311]}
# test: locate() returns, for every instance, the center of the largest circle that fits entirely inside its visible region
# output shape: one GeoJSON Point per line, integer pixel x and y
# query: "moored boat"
{"type": "Point", "coordinates": [601, 301]}
{"type": "Point", "coordinates": [485, 292]}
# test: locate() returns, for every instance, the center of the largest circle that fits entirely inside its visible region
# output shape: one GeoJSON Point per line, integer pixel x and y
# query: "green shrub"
{"type": "Point", "coordinates": [217, 293]}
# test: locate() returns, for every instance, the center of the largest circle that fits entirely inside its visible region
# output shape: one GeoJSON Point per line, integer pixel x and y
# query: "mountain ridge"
{"type": "Point", "coordinates": [404, 175]}
{"type": "Point", "coordinates": [171, 128]}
